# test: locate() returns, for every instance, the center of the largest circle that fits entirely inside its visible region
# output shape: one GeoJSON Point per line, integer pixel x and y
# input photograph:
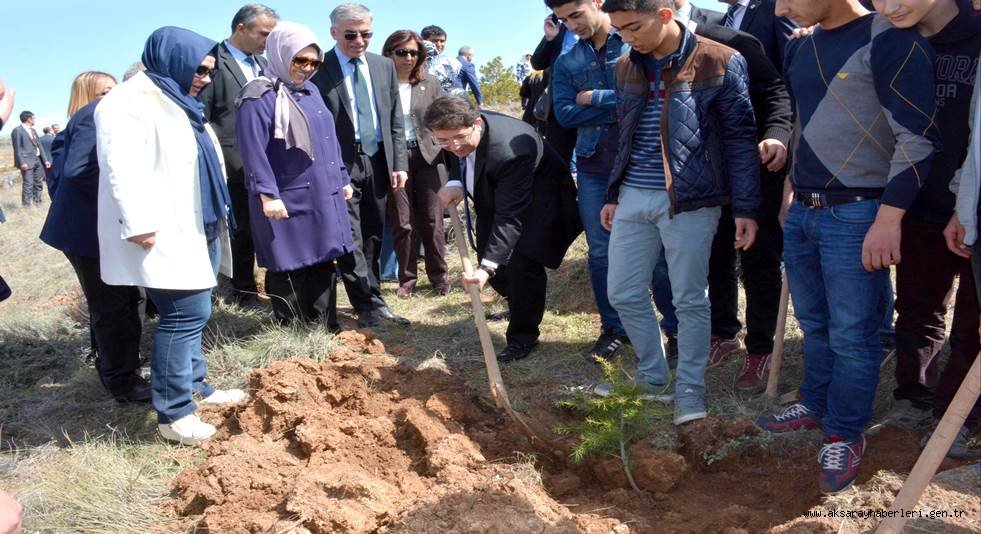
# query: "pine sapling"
{"type": "Point", "coordinates": [611, 424]}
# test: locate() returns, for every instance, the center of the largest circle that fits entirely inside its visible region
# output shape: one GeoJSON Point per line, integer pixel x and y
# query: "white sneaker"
{"type": "Point", "coordinates": [225, 396]}
{"type": "Point", "coordinates": [188, 430]}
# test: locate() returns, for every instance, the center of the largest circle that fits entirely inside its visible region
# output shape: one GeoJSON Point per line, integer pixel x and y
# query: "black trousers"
{"type": "Point", "coordinates": [307, 294]}
{"type": "Point", "coordinates": [760, 273]}
{"type": "Point", "coordinates": [522, 282]}
{"type": "Point", "coordinates": [360, 270]}
{"type": "Point", "coordinates": [243, 249]}
{"type": "Point", "coordinates": [562, 139]}
{"type": "Point", "coordinates": [115, 321]}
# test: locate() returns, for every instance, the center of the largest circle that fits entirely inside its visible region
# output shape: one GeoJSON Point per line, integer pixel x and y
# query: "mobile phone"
{"type": "Point", "coordinates": [555, 19]}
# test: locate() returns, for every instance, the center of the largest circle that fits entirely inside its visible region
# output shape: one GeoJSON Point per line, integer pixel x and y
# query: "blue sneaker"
{"type": "Point", "coordinates": [689, 407]}
{"type": "Point", "coordinates": [840, 459]}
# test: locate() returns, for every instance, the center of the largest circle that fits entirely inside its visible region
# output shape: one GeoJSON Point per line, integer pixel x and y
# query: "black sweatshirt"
{"type": "Point", "coordinates": [957, 47]}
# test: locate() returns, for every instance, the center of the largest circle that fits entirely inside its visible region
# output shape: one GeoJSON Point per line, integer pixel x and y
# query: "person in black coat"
{"type": "Point", "coordinates": [562, 139]}
{"type": "Point", "coordinates": [761, 264]}
{"type": "Point", "coordinates": [759, 19]}
{"type": "Point", "coordinates": [72, 227]}
{"type": "Point", "coordinates": [238, 61]}
{"type": "Point", "coordinates": [525, 202]}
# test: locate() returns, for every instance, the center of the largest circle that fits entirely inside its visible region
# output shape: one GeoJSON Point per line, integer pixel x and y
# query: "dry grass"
{"type": "Point", "coordinates": [81, 463]}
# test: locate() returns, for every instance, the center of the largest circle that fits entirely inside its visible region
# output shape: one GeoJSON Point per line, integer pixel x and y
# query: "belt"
{"type": "Point", "coordinates": [818, 200]}
{"type": "Point", "coordinates": [360, 149]}
{"type": "Point", "coordinates": [411, 144]}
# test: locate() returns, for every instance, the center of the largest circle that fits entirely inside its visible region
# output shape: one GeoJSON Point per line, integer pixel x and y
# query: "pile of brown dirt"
{"type": "Point", "coordinates": [366, 445]}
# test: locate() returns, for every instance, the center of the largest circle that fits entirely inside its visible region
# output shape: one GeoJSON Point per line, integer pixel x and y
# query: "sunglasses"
{"type": "Point", "coordinates": [203, 71]}
{"type": "Point", "coordinates": [401, 52]}
{"type": "Point", "coordinates": [352, 35]}
{"type": "Point", "coordinates": [304, 63]}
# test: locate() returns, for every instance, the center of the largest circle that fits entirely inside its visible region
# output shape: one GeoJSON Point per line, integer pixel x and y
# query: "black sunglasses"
{"type": "Point", "coordinates": [401, 52]}
{"type": "Point", "coordinates": [352, 35]}
{"type": "Point", "coordinates": [203, 71]}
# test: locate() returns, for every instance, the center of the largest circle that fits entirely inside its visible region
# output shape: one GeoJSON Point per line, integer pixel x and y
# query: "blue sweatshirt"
{"type": "Point", "coordinates": [865, 111]}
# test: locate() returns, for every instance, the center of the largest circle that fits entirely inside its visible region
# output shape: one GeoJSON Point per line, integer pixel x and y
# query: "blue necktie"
{"type": "Point", "coordinates": [366, 123]}
{"type": "Point", "coordinates": [466, 203]}
{"type": "Point", "coordinates": [730, 20]}
{"type": "Point", "coordinates": [251, 62]}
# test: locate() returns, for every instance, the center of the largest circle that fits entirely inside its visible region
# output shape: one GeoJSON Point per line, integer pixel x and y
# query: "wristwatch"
{"type": "Point", "coordinates": [489, 270]}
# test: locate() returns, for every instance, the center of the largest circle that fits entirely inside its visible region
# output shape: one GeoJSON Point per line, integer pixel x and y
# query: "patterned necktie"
{"type": "Point", "coordinates": [362, 101]}
{"type": "Point", "coordinates": [730, 20]}
{"type": "Point", "coordinates": [466, 203]}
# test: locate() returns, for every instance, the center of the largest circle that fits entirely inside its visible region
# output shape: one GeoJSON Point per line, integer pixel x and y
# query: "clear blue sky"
{"type": "Point", "coordinates": [45, 44]}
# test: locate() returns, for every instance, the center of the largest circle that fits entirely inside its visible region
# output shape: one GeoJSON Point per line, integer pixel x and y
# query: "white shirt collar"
{"type": "Point", "coordinates": [346, 59]}
{"type": "Point", "coordinates": [685, 12]}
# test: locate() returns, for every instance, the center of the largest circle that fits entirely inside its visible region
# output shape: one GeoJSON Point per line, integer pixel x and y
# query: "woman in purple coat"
{"type": "Point", "coordinates": [297, 183]}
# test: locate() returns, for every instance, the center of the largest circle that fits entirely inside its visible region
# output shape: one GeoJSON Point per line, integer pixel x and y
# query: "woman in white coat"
{"type": "Point", "coordinates": [163, 216]}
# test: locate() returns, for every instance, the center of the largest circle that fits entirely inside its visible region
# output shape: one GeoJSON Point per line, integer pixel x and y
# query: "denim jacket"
{"type": "Point", "coordinates": [578, 70]}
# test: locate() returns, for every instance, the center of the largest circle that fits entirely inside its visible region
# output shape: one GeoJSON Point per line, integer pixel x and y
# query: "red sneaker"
{"type": "Point", "coordinates": [755, 370]}
{"type": "Point", "coordinates": [720, 350]}
{"type": "Point", "coordinates": [796, 417]}
{"type": "Point", "coordinates": [840, 459]}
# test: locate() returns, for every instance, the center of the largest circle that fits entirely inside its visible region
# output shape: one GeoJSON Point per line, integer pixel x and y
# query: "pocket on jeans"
{"type": "Point", "coordinates": [863, 212]}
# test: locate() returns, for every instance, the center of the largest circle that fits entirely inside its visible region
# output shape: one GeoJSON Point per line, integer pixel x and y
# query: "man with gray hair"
{"type": "Point", "coordinates": [362, 92]}
{"type": "Point", "coordinates": [468, 74]}
{"type": "Point", "coordinates": [238, 62]}
{"type": "Point", "coordinates": [133, 70]}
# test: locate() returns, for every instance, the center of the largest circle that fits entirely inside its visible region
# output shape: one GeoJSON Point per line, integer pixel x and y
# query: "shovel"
{"type": "Point", "coordinates": [498, 391]}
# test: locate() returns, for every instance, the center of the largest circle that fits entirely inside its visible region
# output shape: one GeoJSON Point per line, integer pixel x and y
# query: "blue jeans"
{"type": "Point", "coordinates": [642, 229]}
{"type": "Point", "coordinates": [389, 264]}
{"type": "Point", "coordinates": [592, 197]}
{"type": "Point", "coordinates": [837, 303]}
{"type": "Point", "coordinates": [178, 367]}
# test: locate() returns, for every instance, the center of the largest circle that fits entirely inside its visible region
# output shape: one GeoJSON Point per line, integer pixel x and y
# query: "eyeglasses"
{"type": "Point", "coordinates": [459, 140]}
{"type": "Point", "coordinates": [203, 71]}
{"type": "Point", "coordinates": [304, 62]}
{"type": "Point", "coordinates": [402, 52]}
{"type": "Point", "coordinates": [352, 35]}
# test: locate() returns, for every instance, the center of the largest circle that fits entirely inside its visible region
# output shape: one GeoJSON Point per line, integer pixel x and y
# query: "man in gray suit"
{"type": "Point", "coordinates": [362, 92]}
{"type": "Point", "coordinates": [238, 62]}
{"type": "Point", "coordinates": [31, 158]}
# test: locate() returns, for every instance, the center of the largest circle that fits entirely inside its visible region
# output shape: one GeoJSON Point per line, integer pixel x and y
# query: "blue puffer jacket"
{"type": "Point", "coordinates": [708, 128]}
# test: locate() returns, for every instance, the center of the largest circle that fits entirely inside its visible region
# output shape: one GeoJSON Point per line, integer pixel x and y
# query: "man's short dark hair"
{"type": "Point", "coordinates": [451, 113]}
{"type": "Point", "coordinates": [25, 116]}
{"type": "Point", "coordinates": [46, 130]}
{"type": "Point", "coordinates": [552, 4]}
{"type": "Point", "coordinates": [432, 31]}
{"type": "Point", "coordinates": [644, 6]}
{"type": "Point", "coordinates": [247, 14]}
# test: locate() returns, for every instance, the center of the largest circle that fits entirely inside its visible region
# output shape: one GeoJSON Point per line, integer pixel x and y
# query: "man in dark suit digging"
{"type": "Point", "coordinates": [525, 202]}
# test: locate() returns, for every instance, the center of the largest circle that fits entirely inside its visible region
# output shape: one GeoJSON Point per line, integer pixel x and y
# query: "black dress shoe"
{"type": "Point", "coordinates": [368, 319]}
{"type": "Point", "coordinates": [138, 393]}
{"type": "Point", "coordinates": [248, 302]}
{"type": "Point", "coordinates": [514, 352]}
{"type": "Point", "coordinates": [387, 314]}
{"type": "Point", "coordinates": [500, 316]}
